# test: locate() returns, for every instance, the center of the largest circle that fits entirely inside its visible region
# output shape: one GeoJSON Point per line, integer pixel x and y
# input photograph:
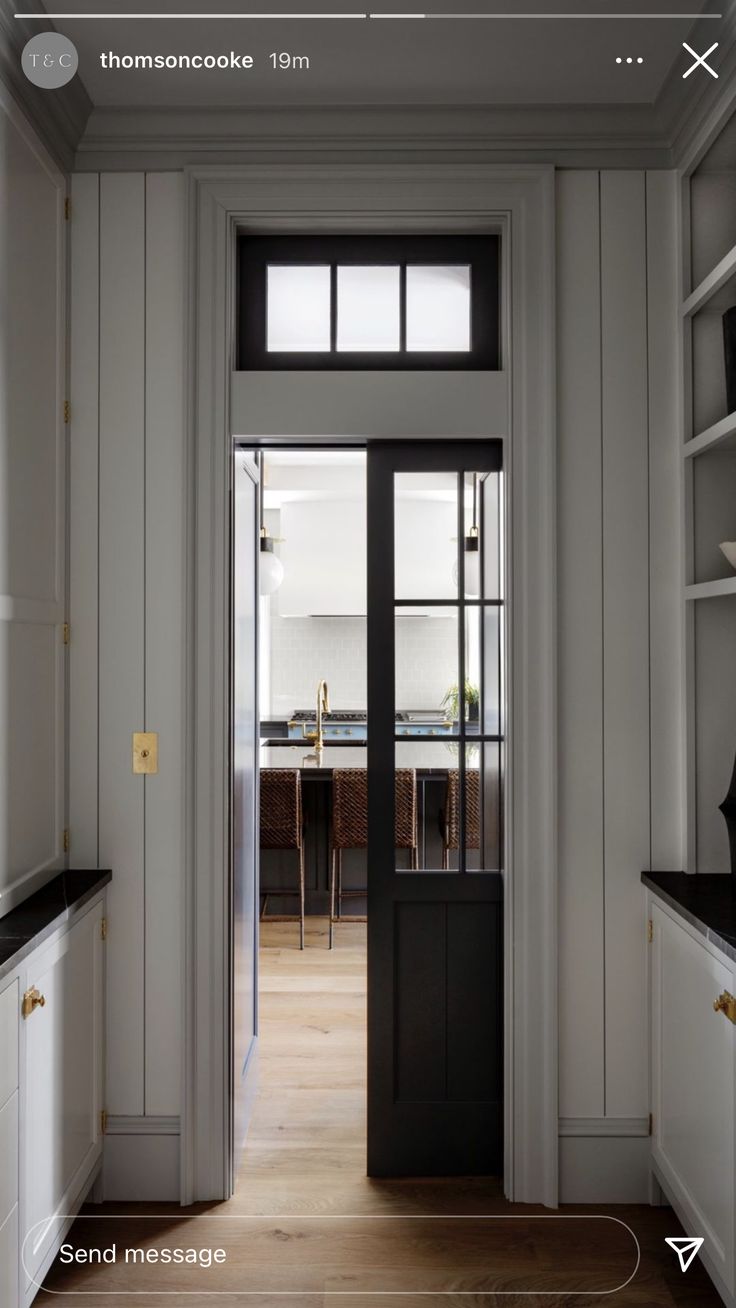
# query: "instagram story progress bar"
{"type": "Point", "coordinates": [399, 15]}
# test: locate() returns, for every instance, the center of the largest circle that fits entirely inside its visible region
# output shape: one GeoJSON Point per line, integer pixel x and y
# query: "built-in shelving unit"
{"type": "Point", "coordinates": [708, 433]}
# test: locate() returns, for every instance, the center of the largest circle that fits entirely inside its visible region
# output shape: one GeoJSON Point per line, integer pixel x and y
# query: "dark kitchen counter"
{"type": "Point", "coordinates": [27, 925]}
{"type": "Point", "coordinates": [707, 901]}
{"type": "Point", "coordinates": [430, 758]}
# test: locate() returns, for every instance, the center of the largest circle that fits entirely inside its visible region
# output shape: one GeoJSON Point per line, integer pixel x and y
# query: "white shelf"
{"type": "Point", "coordinates": [711, 589]}
{"type": "Point", "coordinates": [722, 435]}
{"type": "Point", "coordinates": [711, 284]}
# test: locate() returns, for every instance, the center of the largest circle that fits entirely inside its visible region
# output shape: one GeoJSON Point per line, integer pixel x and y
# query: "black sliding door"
{"type": "Point", "coordinates": [435, 909]}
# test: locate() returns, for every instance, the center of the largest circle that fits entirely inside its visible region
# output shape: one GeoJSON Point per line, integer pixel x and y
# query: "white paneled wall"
{"type": "Point", "coordinates": [619, 677]}
{"type": "Point", "coordinates": [126, 656]}
{"type": "Point", "coordinates": [32, 503]}
{"type": "Point", "coordinates": [619, 673]}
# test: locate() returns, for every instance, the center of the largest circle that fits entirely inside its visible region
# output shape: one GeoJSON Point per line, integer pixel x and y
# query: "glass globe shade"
{"type": "Point", "coordinates": [271, 573]}
{"type": "Point", "coordinates": [472, 573]}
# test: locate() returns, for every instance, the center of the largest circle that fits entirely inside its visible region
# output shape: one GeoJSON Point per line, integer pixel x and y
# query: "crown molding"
{"type": "Point", "coordinates": [58, 118]}
{"type": "Point", "coordinates": [572, 136]}
{"type": "Point", "coordinates": [687, 117]}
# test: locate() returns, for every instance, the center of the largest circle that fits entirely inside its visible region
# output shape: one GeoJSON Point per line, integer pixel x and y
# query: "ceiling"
{"type": "Point", "coordinates": [453, 60]}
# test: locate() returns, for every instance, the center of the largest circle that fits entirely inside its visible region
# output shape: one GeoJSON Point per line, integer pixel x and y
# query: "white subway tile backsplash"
{"type": "Point", "coordinates": [305, 649]}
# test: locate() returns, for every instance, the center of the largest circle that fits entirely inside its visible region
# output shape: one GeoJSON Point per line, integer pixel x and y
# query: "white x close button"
{"type": "Point", "coordinates": [700, 59]}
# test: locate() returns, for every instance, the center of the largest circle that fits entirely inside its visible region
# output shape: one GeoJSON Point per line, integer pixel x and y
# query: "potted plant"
{"type": "Point", "coordinates": [451, 702]}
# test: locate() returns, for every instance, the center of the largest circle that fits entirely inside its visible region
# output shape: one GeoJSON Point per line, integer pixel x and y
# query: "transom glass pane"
{"type": "Point", "coordinates": [298, 307]}
{"type": "Point", "coordinates": [438, 307]}
{"type": "Point", "coordinates": [368, 308]}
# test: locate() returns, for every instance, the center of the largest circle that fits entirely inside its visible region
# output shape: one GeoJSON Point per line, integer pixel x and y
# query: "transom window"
{"type": "Point", "coordinates": [368, 302]}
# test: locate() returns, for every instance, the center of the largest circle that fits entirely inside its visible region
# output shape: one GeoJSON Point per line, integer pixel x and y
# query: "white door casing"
{"type": "Point", "coordinates": [518, 201]}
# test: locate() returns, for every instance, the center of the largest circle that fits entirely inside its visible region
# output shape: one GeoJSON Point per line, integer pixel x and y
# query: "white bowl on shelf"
{"type": "Point", "coordinates": [728, 547]}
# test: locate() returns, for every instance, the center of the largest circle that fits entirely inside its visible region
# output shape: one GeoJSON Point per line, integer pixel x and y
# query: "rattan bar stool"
{"type": "Point", "coordinates": [450, 817]}
{"type": "Point", "coordinates": [350, 825]}
{"type": "Point", "coordinates": [282, 827]}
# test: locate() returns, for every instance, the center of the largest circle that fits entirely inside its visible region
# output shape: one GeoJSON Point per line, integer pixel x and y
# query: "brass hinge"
{"type": "Point", "coordinates": [67, 411]}
{"type": "Point", "coordinates": [103, 1121]}
{"type": "Point", "coordinates": [650, 931]}
{"type": "Point", "coordinates": [651, 1124]}
{"type": "Point", "coordinates": [103, 928]}
{"type": "Point", "coordinates": [66, 633]}
{"type": "Point", "coordinates": [67, 207]}
{"type": "Point", "coordinates": [66, 840]}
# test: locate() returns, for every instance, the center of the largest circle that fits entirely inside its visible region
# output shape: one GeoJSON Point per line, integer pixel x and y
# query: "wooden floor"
{"type": "Point", "coordinates": [307, 1227]}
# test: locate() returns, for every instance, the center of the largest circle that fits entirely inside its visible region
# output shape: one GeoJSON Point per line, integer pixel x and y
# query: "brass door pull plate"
{"type": "Point", "coordinates": [145, 752]}
{"type": "Point", "coordinates": [726, 1004]}
{"type": "Point", "coordinates": [32, 1000]}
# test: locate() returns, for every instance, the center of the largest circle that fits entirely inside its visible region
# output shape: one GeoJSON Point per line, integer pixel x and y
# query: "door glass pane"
{"type": "Point", "coordinates": [368, 308]}
{"type": "Point", "coordinates": [298, 307]}
{"type": "Point", "coordinates": [483, 691]}
{"type": "Point", "coordinates": [483, 820]}
{"type": "Point", "coordinates": [427, 766]}
{"type": "Point", "coordinates": [426, 660]}
{"type": "Point", "coordinates": [438, 307]}
{"type": "Point", "coordinates": [491, 508]}
{"type": "Point", "coordinates": [425, 535]}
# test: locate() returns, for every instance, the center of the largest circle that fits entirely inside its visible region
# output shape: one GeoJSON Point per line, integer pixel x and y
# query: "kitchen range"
{"type": "Point", "coordinates": [352, 724]}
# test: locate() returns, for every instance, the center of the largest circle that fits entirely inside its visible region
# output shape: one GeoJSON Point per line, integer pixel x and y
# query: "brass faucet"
{"type": "Point", "coordinates": [323, 706]}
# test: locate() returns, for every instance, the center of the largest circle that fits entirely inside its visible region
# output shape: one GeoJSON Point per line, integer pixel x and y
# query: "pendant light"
{"type": "Point", "coordinates": [471, 547]}
{"type": "Point", "coordinates": [271, 569]}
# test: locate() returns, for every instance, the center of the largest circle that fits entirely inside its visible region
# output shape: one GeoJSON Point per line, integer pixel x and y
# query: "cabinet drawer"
{"type": "Point", "coordinates": [9, 1289]}
{"type": "Point", "coordinates": [8, 1157]}
{"type": "Point", "coordinates": [9, 1017]}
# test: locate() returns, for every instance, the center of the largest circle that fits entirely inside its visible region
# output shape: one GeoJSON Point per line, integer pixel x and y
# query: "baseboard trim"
{"type": "Point", "coordinates": [121, 1125]}
{"type": "Point", "coordinates": [141, 1160]}
{"type": "Point", "coordinates": [605, 1169]}
{"type": "Point", "coordinates": [596, 1127]}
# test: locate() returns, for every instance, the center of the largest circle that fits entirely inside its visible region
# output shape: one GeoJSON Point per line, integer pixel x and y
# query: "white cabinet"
{"type": "Point", "coordinates": [62, 1086]}
{"type": "Point", "coordinates": [51, 1089]}
{"type": "Point", "coordinates": [9, 1031]}
{"type": "Point", "coordinates": [694, 1087]}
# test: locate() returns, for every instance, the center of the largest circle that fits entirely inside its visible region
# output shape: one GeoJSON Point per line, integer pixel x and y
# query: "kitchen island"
{"type": "Point", "coordinates": [432, 759]}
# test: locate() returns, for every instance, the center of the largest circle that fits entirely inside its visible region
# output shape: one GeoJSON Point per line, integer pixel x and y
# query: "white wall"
{"type": "Point", "coordinates": [32, 504]}
{"type": "Point", "coordinates": [127, 612]}
{"type": "Point", "coordinates": [619, 640]}
{"type": "Point", "coordinates": [618, 643]}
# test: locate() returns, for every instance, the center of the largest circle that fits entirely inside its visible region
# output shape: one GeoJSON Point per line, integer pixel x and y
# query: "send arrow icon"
{"type": "Point", "coordinates": [685, 1246]}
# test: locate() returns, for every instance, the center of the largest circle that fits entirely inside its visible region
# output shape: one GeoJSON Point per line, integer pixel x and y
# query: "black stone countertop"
{"type": "Point", "coordinates": [24, 927]}
{"type": "Point", "coordinates": [707, 901]}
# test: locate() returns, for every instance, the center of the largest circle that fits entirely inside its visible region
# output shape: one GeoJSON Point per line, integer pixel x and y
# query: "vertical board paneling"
{"type": "Point", "coordinates": [83, 522]}
{"type": "Point", "coordinates": [580, 661]}
{"type": "Point", "coordinates": [625, 633]}
{"type": "Point", "coordinates": [165, 637]}
{"type": "Point", "coordinates": [665, 469]}
{"type": "Point", "coordinates": [121, 623]}
{"type": "Point", "coordinates": [32, 510]}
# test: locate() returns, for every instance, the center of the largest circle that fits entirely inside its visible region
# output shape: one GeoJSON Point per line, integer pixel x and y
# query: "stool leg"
{"type": "Point", "coordinates": [301, 895]}
{"type": "Point", "coordinates": [332, 895]}
{"type": "Point", "coordinates": [339, 884]}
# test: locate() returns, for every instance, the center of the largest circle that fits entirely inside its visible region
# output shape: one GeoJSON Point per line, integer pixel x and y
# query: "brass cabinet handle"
{"type": "Point", "coordinates": [32, 999]}
{"type": "Point", "coordinates": [726, 1004]}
